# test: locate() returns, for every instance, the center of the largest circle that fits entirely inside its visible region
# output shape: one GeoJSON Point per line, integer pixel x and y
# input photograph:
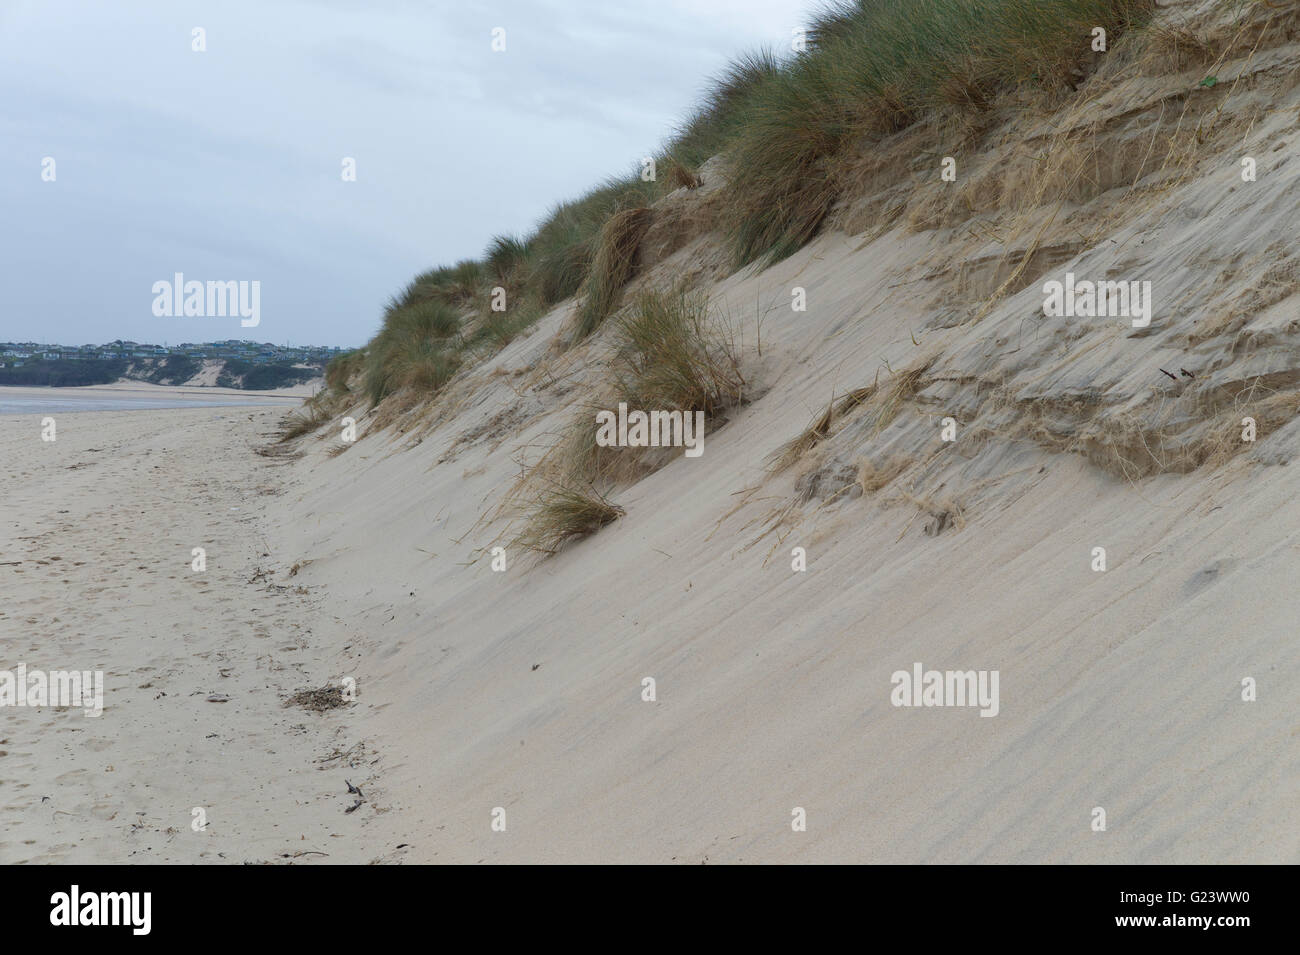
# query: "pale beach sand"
{"type": "Point", "coordinates": [95, 559]}
{"type": "Point", "coordinates": [521, 690]}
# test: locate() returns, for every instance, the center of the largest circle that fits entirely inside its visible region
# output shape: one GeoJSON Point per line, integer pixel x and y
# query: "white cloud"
{"type": "Point", "coordinates": [171, 160]}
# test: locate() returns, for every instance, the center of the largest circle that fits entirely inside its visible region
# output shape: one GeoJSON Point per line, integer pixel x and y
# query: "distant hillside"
{"type": "Point", "coordinates": [167, 370]}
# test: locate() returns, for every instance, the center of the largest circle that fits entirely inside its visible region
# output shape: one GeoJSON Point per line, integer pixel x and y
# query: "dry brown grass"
{"type": "Point", "coordinates": [1169, 48]}
{"type": "Point", "coordinates": [903, 387]}
{"type": "Point", "coordinates": [1097, 149]}
{"type": "Point", "coordinates": [944, 513]}
{"type": "Point", "coordinates": [564, 513]}
{"type": "Point", "coordinates": [314, 413]}
{"type": "Point", "coordinates": [614, 264]}
{"type": "Point", "coordinates": [872, 476]}
{"type": "Point", "coordinates": [681, 177]}
{"type": "Point", "coordinates": [664, 356]}
{"type": "Point", "coordinates": [788, 454]}
{"type": "Point", "coordinates": [887, 401]}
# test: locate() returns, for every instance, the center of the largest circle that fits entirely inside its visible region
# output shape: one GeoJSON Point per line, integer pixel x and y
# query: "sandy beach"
{"type": "Point", "coordinates": [522, 691]}
{"type": "Point", "coordinates": [95, 553]}
{"type": "Point", "coordinates": [988, 555]}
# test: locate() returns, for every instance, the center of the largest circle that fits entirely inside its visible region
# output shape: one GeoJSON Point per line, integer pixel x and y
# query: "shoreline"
{"type": "Point", "coordinates": [139, 396]}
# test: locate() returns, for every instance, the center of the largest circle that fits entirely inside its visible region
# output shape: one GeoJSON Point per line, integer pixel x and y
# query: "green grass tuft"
{"type": "Point", "coordinates": [666, 358]}
{"type": "Point", "coordinates": [505, 256]}
{"type": "Point", "coordinates": [874, 67]}
{"type": "Point", "coordinates": [415, 348]}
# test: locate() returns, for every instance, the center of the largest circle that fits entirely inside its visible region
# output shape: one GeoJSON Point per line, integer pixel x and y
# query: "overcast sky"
{"type": "Point", "coordinates": [226, 164]}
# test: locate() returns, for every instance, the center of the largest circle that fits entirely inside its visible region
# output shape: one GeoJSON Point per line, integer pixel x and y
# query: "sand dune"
{"type": "Point", "coordinates": [1121, 689]}
{"type": "Point", "coordinates": [503, 715]}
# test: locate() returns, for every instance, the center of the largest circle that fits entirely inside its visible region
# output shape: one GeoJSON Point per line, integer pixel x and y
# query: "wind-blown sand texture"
{"type": "Point", "coordinates": [96, 563]}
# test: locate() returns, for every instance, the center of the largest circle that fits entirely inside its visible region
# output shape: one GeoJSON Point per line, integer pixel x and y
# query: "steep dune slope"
{"type": "Point", "coordinates": [1119, 689]}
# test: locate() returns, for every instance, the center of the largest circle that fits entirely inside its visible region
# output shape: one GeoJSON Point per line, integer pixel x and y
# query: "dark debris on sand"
{"type": "Point", "coordinates": [318, 700]}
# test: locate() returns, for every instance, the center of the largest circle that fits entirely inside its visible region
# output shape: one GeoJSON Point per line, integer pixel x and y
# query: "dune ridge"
{"type": "Point", "coordinates": [1121, 688]}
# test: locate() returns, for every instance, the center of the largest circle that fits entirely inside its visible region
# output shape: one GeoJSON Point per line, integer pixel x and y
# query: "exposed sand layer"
{"type": "Point", "coordinates": [95, 559]}
{"type": "Point", "coordinates": [1119, 689]}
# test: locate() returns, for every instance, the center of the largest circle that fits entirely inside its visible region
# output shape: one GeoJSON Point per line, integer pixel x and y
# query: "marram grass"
{"type": "Point", "coordinates": [564, 513]}
{"type": "Point", "coordinates": [789, 128]}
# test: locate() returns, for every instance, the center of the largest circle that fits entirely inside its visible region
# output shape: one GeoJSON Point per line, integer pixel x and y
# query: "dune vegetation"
{"type": "Point", "coordinates": [663, 356]}
{"type": "Point", "coordinates": [790, 125]}
{"type": "Point", "coordinates": [564, 512]}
